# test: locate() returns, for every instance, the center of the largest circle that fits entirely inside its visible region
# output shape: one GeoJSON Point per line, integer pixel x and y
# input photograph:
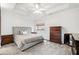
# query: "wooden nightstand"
{"type": "Point", "coordinates": [6, 39]}
{"type": "Point", "coordinates": [67, 38]}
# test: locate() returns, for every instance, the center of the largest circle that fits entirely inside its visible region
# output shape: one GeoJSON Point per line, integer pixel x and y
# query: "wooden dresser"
{"type": "Point", "coordinates": [55, 34]}
{"type": "Point", "coordinates": [6, 39]}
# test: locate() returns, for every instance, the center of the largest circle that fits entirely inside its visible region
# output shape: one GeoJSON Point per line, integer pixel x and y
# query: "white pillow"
{"type": "Point", "coordinates": [24, 32]}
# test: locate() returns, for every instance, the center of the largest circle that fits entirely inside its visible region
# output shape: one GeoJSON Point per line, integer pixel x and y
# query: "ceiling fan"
{"type": "Point", "coordinates": [38, 9]}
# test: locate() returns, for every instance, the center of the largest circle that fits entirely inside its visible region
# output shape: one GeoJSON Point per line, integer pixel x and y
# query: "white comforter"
{"type": "Point", "coordinates": [21, 40]}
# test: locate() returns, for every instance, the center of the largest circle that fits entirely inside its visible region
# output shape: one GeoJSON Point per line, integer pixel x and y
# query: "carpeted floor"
{"type": "Point", "coordinates": [45, 48]}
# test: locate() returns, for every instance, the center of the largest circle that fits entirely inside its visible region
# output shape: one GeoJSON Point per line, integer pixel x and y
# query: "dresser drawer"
{"type": "Point", "coordinates": [55, 40]}
{"type": "Point", "coordinates": [54, 31]}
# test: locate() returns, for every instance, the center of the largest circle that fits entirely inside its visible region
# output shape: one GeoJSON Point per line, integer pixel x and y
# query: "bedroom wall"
{"type": "Point", "coordinates": [68, 19]}
{"type": "Point", "coordinates": [9, 18]}
{"type": "Point", "coordinates": [0, 20]}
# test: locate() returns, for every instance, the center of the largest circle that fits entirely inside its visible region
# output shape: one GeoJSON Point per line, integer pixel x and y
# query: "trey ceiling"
{"type": "Point", "coordinates": [38, 8]}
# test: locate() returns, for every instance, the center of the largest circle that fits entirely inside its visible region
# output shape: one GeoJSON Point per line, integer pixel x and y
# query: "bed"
{"type": "Point", "coordinates": [24, 39]}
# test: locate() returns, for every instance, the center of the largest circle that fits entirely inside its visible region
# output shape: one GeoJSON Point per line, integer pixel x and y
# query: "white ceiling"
{"type": "Point", "coordinates": [29, 8]}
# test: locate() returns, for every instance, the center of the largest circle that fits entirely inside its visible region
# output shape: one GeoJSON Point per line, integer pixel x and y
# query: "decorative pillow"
{"type": "Point", "coordinates": [23, 32]}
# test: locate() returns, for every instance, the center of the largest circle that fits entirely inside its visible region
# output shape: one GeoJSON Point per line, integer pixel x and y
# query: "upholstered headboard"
{"type": "Point", "coordinates": [16, 30]}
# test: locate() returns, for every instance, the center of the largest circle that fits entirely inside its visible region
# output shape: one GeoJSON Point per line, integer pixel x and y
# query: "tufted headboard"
{"type": "Point", "coordinates": [16, 30]}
